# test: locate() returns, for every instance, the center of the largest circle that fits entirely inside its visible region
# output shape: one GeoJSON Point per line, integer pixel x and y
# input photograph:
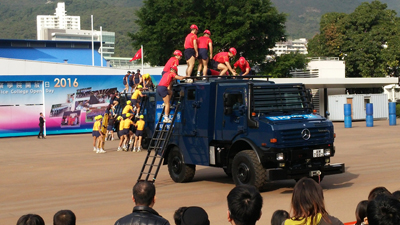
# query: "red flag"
{"type": "Point", "coordinates": [138, 55]}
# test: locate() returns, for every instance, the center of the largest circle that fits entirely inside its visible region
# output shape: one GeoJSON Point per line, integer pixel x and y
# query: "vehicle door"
{"type": "Point", "coordinates": [231, 110]}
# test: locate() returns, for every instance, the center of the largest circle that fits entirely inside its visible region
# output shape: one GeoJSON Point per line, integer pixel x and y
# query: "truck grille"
{"type": "Point", "coordinates": [318, 135]}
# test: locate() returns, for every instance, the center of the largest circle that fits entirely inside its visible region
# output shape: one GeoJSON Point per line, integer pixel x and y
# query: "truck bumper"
{"type": "Point", "coordinates": [282, 173]}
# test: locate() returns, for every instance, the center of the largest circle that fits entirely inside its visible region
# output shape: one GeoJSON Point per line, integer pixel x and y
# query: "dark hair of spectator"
{"type": "Point", "coordinates": [178, 215]}
{"type": "Point", "coordinates": [244, 204]}
{"type": "Point", "coordinates": [377, 191]}
{"type": "Point", "coordinates": [396, 195]}
{"type": "Point", "coordinates": [64, 217]}
{"type": "Point", "coordinates": [308, 201]}
{"type": "Point", "coordinates": [143, 193]}
{"type": "Point", "coordinates": [361, 212]}
{"type": "Point", "coordinates": [30, 219]}
{"type": "Point", "coordinates": [279, 216]}
{"type": "Point", "coordinates": [194, 215]}
{"type": "Point", "coordinates": [383, 210]}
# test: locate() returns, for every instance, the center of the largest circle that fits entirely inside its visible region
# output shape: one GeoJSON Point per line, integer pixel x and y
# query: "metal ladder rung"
{"type": "Point", "coordinates": [152, 165]}
{"type": "Point", "coordinates": [147, 173]}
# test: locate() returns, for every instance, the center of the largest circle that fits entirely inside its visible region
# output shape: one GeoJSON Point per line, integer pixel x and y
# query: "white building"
{"type": "Point", "coordinates": [297, 45]}
{"type": "Point", "coordinates": [60, 20]}
{"type": "Point", "coordinates": [68, 28]}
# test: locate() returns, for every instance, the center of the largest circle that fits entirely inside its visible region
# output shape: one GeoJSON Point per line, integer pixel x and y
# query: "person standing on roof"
{"type": "Point", "coordinates": [173, 61]}
{"type": "Point", "coordinates": [125, 81]}
{"type": "Point", "coordinates": [191, 51]}
{"type": "Point", "coordinates": [243, 65]}
{"type": "Point", "coordinates": [163, 90]}
{"type": "Point", "coordinates": [204, 44]}
{"type": "Point", "coordinates": [137, 79]}
{"type": "Point", "coordinates": [221, 62]}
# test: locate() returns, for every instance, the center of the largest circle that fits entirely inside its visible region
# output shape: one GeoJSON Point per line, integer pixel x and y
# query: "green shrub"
{"type": "Point", "coordinates": [398, 110]}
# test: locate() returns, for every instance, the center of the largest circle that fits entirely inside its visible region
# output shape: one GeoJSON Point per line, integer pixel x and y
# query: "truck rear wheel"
{"type": "Point", "coordinates": [246, 169]}
{"type": "Point", "coordinates": [179, 171]}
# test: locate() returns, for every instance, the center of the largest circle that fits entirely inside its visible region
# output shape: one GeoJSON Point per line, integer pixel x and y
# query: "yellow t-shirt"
{"type": "Point", "coordinates": [301, 222]}
{"type": "Point", "coordinates": [140, 125]}
{"type": "Point", "coordinates": [127, 109]}
{"type": "Point", "coordinates": [127, 123]}
{"type": "Point", "coordinates": [136, 94]}
{"type": "Point", "coordinates": [121, 125]}
{"type": "Point", "coordinates": [96, 126]}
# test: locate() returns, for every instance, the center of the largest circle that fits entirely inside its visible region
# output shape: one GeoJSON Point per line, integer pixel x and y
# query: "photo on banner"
{"type": "Point", "coordinates": [57, 110]}
{"type": "Point", "coordinates": [71, 119]}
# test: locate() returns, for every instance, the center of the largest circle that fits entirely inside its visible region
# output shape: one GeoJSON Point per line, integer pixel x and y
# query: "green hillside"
{"type": "Point", "coordinates": [304, 15]}
{"type": "Point", "coordinates": [18, 18]}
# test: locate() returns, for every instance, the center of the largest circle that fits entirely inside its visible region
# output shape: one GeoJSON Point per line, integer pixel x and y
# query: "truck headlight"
{"type": "Point", "coordinates": [327, 152]}
{"type": "Point", "coordinates": [280, 156]}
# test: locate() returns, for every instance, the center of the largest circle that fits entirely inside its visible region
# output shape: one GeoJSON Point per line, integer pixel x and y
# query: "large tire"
{"type": "Point", "coordinates": [246, 169]}
{"type": "Point", "coordinates": [179, 171]}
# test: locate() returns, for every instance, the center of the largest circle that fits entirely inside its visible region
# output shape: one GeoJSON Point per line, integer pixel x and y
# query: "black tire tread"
{"type": "Point", "coordinates": [260, 172]}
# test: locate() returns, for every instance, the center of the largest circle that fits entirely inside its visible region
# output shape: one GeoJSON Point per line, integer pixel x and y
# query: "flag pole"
{"type": "Point", "coordinates": [91, 17]}
{"type": "Point", "coordinates": [101, 45]}
{"type": "Point", "coordinates": [141, 47]}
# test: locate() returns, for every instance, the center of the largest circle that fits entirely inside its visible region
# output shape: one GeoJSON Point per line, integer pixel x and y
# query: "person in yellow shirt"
{"type": "Point", "coordinates": [135, 98]}
{"type": "Point", "coordinates": [127, 124]}
{"type": "Point", "coordinates": [147, 82]}
{"type": "Point", "coordinates": [139, 134]}
{"type": "Point", "coordinates": [127, 109]}
{"type": "Point", "coordinates": [97, 136]}
{"type": "Point", "coordinates": [120, 132]}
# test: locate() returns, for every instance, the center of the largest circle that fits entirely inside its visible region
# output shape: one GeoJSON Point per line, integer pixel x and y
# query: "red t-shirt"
{"type": "Point", "coordinates": [221, 57]}
{"type": "Point", "coordinates": [173, 61]}
{"type": "Point", "coordinates": [242, 67]}
{"type": "Point", "coordinates": [190, 38]}
{"type": "Point", "coordinates": [202, 42]}
{"type": "Point", "coordinates": [167, 79]}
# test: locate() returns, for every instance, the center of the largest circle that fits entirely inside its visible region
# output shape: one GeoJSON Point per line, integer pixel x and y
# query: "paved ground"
{"type": "Point", "coordinates": [62, 172]}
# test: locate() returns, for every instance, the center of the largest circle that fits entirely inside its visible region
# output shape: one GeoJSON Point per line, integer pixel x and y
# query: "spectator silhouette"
{"type": "Point", "coordinates": [144, 193]}
{"type": "Point", "coordinates": [377, 191]}
{"type": "Point", "coordinates": [308, 205]}
{"type": "Point", "coordinates": [361, 213]}
{"type": "Point", "coordinates": [244, 205]}
{"type": "Point", "coordinates": [383, 210]}
{"type": "Point", "coordinates": [30, 219]}
{"type": "Point", "coordinates": [64, 217]}
{"type": "Point", "coordinates": [194, 215]}
{"type": "Point", "coordinates": [279, 216]}
{"type": "Point", "coordinates": [396, 195]}
{"type": "Point", "coordinates": [178, 215]}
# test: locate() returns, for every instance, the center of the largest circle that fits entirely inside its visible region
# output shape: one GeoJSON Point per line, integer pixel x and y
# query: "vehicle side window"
{"type": "Point", "coordinates": [238, 101]}
{"type": "Point", "coordinates": [191, 94]}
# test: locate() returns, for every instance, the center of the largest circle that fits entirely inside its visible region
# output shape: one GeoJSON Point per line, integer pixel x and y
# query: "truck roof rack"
{"type": "Point", "coordinates": [212, 78]}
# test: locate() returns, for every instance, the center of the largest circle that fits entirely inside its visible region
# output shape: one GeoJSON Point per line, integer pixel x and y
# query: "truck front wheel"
{"type": "Point", "coordinates": [179, 171]}
{"type": "Point", "coordinates": [246, 169]}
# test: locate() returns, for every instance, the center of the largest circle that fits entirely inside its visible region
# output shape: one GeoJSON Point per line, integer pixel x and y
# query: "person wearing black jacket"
{"type": "Point", "coordinates": [143, 213]}
{"type": "Point", "coordinates": [41, 125]}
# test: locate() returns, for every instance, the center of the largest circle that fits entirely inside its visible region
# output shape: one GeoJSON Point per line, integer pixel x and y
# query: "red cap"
{"type": "Point", "coordinates": [233, 51]}
{"type": "Point", "coordinates": [242, 60]}
{"type": "Point", "coordinates": [174, 68]}
{"type": "Point", "coordinates": [178, 53]}
{"type": "Point", "coordinates": [207, 32]}
{"type": "Point", "coordinates": [194, 27]}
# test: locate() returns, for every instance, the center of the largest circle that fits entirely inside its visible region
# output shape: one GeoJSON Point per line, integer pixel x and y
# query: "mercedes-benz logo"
{"type": "Point", "coordinates": [306, 134]}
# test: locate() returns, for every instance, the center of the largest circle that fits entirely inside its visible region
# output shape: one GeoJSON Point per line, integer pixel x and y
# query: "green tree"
{"type": "Point", "coordinates": [367, 39]}
{"type": "Point", "coordinates": [281, 66]}
{"type": "Point", "coordinates": [251, 26]}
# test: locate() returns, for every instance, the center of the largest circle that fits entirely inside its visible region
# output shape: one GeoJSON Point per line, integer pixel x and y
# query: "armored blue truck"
{"type": "Point", "coordinates": [254, 129]}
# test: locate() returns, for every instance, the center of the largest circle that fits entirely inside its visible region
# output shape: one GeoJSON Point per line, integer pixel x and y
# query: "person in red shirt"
{"type": "Point", "coordinates": [221, 62]}
{"type": "Point", "coordinates": [191, 52]}
{"type": "Point", "coordinates": [173, 61]}
{"type": "Point", "coordinates": [204, 43]}
{"type": "Point", "coordinates": [243, 65]}
{"type": "Point", "coordinates": [163, 90]}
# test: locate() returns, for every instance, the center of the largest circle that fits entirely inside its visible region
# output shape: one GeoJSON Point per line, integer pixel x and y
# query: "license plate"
{"type": "Point", "coordinates": [318, 153]}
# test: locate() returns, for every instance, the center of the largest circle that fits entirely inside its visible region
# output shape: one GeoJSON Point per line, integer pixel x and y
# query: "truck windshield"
{"type": "Point", "coordinates": [281, 99]}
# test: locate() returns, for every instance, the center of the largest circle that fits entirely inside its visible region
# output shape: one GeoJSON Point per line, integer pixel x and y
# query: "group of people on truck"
{"type": "Point", "coordinates": [133, 80]}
